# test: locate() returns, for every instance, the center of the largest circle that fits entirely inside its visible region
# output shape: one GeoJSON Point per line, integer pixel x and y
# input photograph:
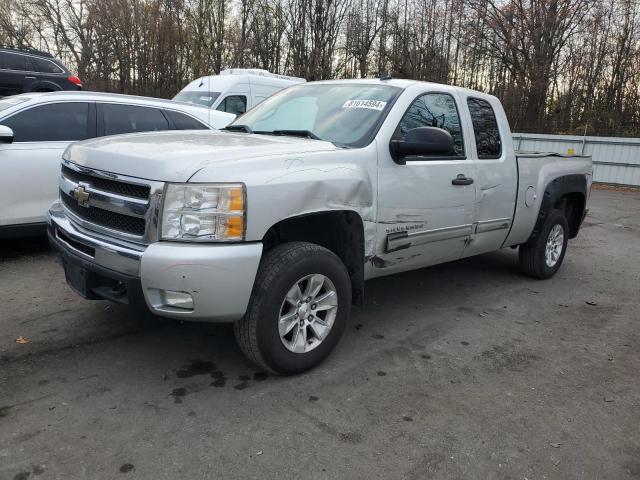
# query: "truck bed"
{"type": "Point", "coordinates": [535, 171]}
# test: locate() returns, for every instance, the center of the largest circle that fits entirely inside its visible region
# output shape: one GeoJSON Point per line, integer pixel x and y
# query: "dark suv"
{"type": "Point", "coordinates": [23, 71]}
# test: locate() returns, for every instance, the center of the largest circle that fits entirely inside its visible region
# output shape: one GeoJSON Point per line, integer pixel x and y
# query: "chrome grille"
{"type": "Point", "coordinates": [120, 188]}
{"type": "Point", "coordinates": [105, 218]}
{"type": "Point", "coordinates": [117, 206]}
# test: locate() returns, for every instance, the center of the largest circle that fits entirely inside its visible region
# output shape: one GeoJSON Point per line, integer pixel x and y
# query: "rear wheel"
{"type": "Point", "coordinates": [543, 257]}
{"type": "Point", "coordinates": [298, 309]}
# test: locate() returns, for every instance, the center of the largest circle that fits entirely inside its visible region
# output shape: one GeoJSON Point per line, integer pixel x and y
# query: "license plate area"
{"type": "Point", "coordinates": [78, 279]}
{"type": "Point", "coordinates": [94, 286]}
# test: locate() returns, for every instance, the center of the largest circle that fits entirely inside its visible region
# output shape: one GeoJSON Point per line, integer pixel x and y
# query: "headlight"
{"type": "Point", "coordinates": [204, 212]}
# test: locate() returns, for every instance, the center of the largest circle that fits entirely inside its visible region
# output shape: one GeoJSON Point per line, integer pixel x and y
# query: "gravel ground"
{"type": "Point", "coordinates": [466, 370]}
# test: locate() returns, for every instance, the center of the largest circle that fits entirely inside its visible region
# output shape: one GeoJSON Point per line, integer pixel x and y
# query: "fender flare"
{"type": "Point", "coordinates": [553, 193]}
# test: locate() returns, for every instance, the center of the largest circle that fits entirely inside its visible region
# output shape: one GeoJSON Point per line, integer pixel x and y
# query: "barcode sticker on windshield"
{"type": "Point", "coordinates": [370, 104]}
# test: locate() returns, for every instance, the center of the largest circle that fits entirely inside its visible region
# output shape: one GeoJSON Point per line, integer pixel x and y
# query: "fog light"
{"type": "Point", "coordinates": [176, 299]}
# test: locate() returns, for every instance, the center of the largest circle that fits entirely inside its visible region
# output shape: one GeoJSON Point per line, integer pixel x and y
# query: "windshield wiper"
{"type": "Point", "coordinates": [238, 128]}
{"type": "Point", "coordinates": [297, 133]}
{"type": "Point", "coordinates": [292, 133]}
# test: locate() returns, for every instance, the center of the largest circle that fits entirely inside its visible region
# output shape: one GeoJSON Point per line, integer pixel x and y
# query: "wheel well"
{"type": "Point", "coordinates": [342, 232]}
{"type": "Point", "coordinates": [567, 193]}
{"type": "Point", "coordinates": [572, 204]}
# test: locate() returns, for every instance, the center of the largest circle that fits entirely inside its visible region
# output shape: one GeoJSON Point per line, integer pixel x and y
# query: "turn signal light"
{"type": "Point", "coordinates": [236, 202]}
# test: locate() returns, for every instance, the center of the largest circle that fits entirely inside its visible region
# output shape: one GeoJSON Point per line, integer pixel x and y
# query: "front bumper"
{"type": "Point", "coordinates": [219, 277]}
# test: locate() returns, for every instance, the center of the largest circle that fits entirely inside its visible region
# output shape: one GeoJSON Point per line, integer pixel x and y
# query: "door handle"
{"type": "Point", "coordinates": [30, 78]}
{"type": "Point", "coordinates": [462, 180]}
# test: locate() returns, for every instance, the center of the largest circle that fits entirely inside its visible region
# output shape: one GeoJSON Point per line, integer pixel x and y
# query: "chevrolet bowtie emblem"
{"type": "Point", "coordinates": [81, 195]}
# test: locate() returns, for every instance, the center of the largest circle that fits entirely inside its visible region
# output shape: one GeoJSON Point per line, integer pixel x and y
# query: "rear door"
{"type": "Point", "coordinates": [423, 218]}
{"type": "Point", "coordinates": [31, 164]}
{"type": "Point", "coordinates": [496, 175]}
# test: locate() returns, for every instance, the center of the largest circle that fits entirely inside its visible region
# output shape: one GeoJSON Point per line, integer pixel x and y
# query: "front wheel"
{"type": "Point", "coordinates": [543, 257]}
{"type": "Point", "coordinates": [298, 310]}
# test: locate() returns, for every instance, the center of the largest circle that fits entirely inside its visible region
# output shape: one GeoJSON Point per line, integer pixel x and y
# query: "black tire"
{"type": "Point", "coordinates": [257, 333]}
{"type": "Point", "coordinates": [532, 254]}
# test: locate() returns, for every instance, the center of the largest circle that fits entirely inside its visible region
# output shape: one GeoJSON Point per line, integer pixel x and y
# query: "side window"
{"type": "Point", "coordinates": [485, 128]}
{"type": "Point", "coordinates": [434, 110]}
{"type": "Point", "coordinates": [236, 104]}
{"type": "Point", "coordinates": [13, 61]}
{"type": "Point", "coordinates": [44, 66]}
{"type": "Point", "coordinates": [55, 122]}
{"type": "Point", "coordinates": [185, 122]}
{"type": "Point", "coordinates": [130, 119]}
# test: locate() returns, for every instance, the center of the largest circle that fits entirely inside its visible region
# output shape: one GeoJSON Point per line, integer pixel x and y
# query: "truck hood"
{"type": "Point", "coordinates": [177, 156]}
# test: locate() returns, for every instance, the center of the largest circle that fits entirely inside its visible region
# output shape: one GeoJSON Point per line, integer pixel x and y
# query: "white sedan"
{"type": "Point", "coordinates": [36, 128]}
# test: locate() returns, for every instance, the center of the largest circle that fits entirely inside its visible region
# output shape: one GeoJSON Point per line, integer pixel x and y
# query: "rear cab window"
{"type": "Point", "coordinates": [485, 129]}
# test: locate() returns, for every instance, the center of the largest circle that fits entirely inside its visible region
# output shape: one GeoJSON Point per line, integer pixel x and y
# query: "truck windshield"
{"type": "Point", "coordinates": [197, 98]}
{"type": "Point", "coordinates": [346, 114]}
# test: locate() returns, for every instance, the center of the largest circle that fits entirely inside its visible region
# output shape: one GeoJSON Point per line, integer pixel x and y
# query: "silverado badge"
{"type": "Point", "coordinates": [81, 195]}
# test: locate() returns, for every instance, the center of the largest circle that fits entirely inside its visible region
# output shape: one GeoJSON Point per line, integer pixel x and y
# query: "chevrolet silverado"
{"type": "Point", "coordinates": [277, 222]}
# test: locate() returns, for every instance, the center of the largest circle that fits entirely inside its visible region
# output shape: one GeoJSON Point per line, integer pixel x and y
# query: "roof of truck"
{"type": "Point", "coordinates": [405, 83]}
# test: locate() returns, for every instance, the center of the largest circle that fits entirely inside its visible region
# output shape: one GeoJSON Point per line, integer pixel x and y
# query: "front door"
{"type": "Point", "coordinates": [425, 208]}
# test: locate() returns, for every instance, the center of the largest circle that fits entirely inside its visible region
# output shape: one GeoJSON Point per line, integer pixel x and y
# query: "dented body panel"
{"type": "Point", "coordinates": [294, 184]}
{"type": "Point", "coordinates": [414, 213]}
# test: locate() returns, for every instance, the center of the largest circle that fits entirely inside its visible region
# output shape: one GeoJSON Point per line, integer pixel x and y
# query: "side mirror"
{"type": "Point", "coordinates": [6, 134]}
{"type": "Point", "coordinates": [422, 141]}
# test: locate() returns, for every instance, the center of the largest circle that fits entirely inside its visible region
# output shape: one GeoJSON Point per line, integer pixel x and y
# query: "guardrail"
{"type": "Point", "coordinates": [615, 159]}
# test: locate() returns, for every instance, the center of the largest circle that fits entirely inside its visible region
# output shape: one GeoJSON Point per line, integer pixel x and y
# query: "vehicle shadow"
{"type": "Point", "coordinates": [12, 249]}
{"type": "Point", "coordinates": [400, 311]}
{"type": "Point", "coordinates": [395, 308]}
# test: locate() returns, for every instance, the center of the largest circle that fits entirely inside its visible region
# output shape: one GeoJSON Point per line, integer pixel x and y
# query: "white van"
{"type": "Point", "coordinates": [235, 90]}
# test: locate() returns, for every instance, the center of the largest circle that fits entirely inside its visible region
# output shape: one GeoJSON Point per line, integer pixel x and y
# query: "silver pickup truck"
{"type": "Point", "coordinates": [277, 222]}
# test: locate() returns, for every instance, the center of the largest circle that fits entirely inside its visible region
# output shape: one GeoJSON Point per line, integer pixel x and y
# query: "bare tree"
{"type": "Point", "coordinates": [364, 22]}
